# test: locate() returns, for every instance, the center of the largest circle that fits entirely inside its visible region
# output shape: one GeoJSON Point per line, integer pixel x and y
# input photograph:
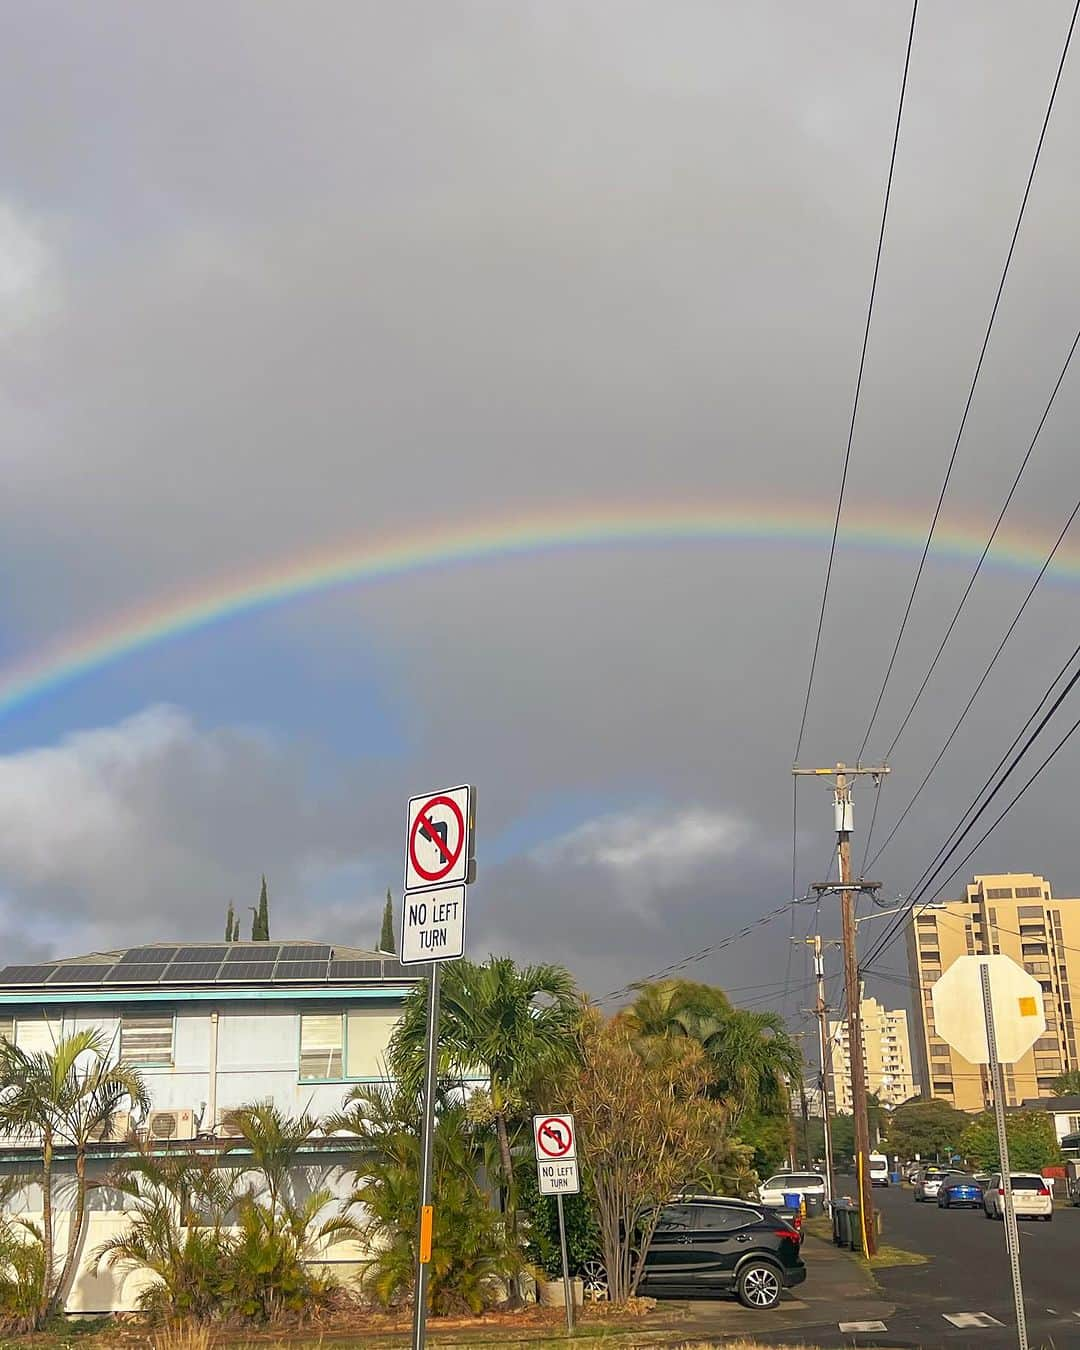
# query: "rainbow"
{"type": "Point", "coordinates": [392, 557]}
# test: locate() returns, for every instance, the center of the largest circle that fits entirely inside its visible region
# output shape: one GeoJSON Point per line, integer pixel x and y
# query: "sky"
{"type": "Point", "coordinates": [280, 282]}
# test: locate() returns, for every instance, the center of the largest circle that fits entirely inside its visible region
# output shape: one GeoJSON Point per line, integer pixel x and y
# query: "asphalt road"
{"type": "Point", "coordinates": [969, 1273]}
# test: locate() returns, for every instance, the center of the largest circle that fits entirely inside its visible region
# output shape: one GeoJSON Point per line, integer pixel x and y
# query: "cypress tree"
{"type": "Point", "coordinates": [261, 928]}
{"type": "Point", "coordinates": [231, 924]}
{"type": "Point", "coordinates": [386, 937]}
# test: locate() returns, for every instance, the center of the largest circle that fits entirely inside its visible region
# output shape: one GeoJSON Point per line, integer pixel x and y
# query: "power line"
{"type": "Point", "coordinates": [974, 383]}
{"type": "Point", "coordinates": [978, 688]}
{"type": "Point", "coordinates": [986, 549]}
{"type": "Point", "coordinates": [723, 942]}
{"type": "Point", "coordinates": [858, 382]}
{"type": "Point", "coordinates": [894, 932]}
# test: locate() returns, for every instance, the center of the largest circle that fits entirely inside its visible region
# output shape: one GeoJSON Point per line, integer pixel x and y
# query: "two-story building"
{"type": "Point", "coordinates": [211, 1027]}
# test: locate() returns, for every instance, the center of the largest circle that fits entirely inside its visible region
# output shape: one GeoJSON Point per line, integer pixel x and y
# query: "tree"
{"type": "Point", "coordinates": [67, 1096]}
{"type": "Point", "coordinates": [1032, 1140]}
{"type": "Point", "coordinates": [260, 925]}
{"type": "Point", "coordinates": [386, 937]}
{"type": "Point", "coordinates": [472, 1255]}
{"type": "Point", "coordinates": [926, 1127]}
{"type": "Point", "coordinates": [232, 925]}
{"type": "Point", "coordinates": [647, 1131]}
{"type": "Point", "coordinates": [514, 1024]}
{"type": "Point", "coordinates": [1067, 1084]}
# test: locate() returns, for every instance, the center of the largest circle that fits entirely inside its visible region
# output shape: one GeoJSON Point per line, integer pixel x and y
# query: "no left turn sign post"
{"type": "Point", "coordinates": [554, 1138]}
{"type": "Point", "coordinates": [438, 839]}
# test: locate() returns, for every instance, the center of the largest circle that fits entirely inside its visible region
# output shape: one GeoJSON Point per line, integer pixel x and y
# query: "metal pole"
{"type": "Point", "coordinates": [427, 1213]}
{"type": "Point", "coordinates": [826, 1064]}
{"type": "Point", "coordinates": [568, 1293]}
{"type": "Point", "coordinates": [1012, 1236]}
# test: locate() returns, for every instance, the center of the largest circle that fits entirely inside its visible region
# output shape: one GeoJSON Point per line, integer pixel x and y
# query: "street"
{"type": "Point", "coordinates": [968, 1274]}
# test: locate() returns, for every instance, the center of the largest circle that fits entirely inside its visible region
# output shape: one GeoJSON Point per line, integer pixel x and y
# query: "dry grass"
{"type": "Point", "coordinates": [181, 1336]}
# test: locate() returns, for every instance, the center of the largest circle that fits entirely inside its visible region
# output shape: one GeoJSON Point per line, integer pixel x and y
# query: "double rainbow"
{"type": "Point", "coordinates": [403, 554]}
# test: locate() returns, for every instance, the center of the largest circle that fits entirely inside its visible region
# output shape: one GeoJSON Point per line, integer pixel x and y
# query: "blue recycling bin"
{"type": "Point", "coordinates": [793, 1200]}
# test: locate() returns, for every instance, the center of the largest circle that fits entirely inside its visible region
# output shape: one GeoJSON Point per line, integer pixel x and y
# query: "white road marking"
{"type": "Point", "coordinates": [862, 1326]}
{"type": "Point", "coordinates": [972, 1320]}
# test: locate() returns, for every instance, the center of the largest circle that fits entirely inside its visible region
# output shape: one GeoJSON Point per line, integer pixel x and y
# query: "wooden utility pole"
{"type": "Point", "coordinates": [849, 888]}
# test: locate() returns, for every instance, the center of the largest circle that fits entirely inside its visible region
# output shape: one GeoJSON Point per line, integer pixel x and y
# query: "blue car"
{"type": "Point", "coordinates": [957, 1191]}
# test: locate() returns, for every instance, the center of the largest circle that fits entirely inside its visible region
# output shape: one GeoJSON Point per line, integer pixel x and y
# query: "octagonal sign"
{"type": "Point", "coordinates": [1016, 998]}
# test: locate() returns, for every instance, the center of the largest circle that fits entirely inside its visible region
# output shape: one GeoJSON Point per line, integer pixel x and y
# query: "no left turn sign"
{"type": "Point", "coordinates": [554, 1138]}
{"type": "Point", "coordinates": [438, 839]}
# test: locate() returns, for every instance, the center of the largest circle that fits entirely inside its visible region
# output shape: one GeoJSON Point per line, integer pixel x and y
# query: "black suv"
{"type": "Point", "coordinates": [705, 1245]}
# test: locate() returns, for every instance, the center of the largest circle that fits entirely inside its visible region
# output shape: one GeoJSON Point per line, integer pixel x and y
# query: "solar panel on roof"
{"type": "Point", "coordinates": [300, 970]}
{"type": "Point", "coordinates": [216, 952]}
{"type": "Point", "coordinates": [247, 970]}
{"type": "Point", "coordinates": [147, 973]}
{"type": "Point", "coordinates": [26, 974]}
{"type": "Point", "coordinates": [355, 970]}
{"type": "Point", "coordinates": [308, 951]}
{"type": "Point", "coordinates": [261, 952]}
{"type": "Point", "coordinates": [191, 972]}
{"type": "Point", "coordinates": [85, 974]}
{"type": "Point", "coordinates": [142, 955]}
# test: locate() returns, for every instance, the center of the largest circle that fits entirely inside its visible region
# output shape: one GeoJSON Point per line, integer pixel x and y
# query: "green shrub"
{"type": "Point", "coordinates": [542, 1242]}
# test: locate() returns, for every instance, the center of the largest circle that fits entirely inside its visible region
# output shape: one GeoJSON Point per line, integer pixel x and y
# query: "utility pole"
{"type": "Point", "coordinates": [849, 888]}
{"type": "Point", "coordinates": [821, 1012]}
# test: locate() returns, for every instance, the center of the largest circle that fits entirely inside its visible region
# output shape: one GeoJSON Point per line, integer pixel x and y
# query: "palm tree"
{"type": "Point", "coordinates": [755, 1059]}
{"type": "Point", "coordinates": [65, 1097]}
{"type": "Point", "coordinates": [674, 1008]}
{"type": "Point", "coordinates": [515, 1025]}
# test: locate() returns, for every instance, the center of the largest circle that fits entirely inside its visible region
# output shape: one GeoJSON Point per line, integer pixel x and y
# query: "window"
{"type": "Point", "coordinates": [7, 1028]}
{"type": "Point", "coordinates": [1029, 893]}
{"type": "Point", "coordinates": [941, 1086]}
{"type": "Point", "coordinates": [345, 1045]}
{"type": "Point", "coordinates": [1046, 1043]}
{"type": "Point", "coordinates": [999, 893]}
{"type": "Point", "coordinates": [37, 1035]}
{"type": "Point", "coordinates": [1074, 1125]}
{"type": "Point", "coordinates": [675, 1219]}
{"type": "Point", "coordinates": [146, 1040]}
{"type": "Point", "coordinates": [320, 1045]}
{"type": "Point", "coordinates": [721, 1218]}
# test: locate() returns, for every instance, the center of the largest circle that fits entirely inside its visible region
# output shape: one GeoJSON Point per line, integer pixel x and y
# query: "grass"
{"type": "Point", "coordinates": [884, 1258]}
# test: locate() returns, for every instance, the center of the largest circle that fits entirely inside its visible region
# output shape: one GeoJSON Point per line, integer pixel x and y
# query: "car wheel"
{"type": "Point", "coordinates": [759, 1285]}
{"type": "Point", "coordinates": [594, 1280]}
{"type": "Point", "coordinates": [1048, 1217]}
{"type": "Point", "coordinates": [987, 1213]}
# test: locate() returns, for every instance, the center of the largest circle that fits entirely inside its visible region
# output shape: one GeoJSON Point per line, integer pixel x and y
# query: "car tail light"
{"type": "Point", "coordinates": [791, 1234]}
{"type": "Point", "coordinates": [1045, 1190]}
{"type": "Point", "coordinates": [1000, 1191]}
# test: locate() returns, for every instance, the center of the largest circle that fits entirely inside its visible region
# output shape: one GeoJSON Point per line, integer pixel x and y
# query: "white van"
{"type": "Point", "coordinates": [879, 1169]}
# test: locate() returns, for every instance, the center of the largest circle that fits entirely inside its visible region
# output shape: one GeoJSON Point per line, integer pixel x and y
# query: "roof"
{"type": "Point", "coordinates": [1069, 1103]}
{"type": "Point", "coordinates": [217, 963]}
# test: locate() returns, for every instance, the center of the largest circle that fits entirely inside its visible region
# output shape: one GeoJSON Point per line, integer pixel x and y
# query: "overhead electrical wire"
{"type": "Point", "coordinates": [932, 871]}
{"type": "Point", "coordinates": [986, 549]}
{"type": "Point", "coordinates": [974, 383]}
{"type": "Point", "coordinates": [982, 680]}
{"type": "Point", "coordinates": [858, 382]}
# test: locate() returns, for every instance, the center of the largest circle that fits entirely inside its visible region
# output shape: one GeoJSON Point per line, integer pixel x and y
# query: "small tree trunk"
{"type": "Point", "coordinates": [75, 1236]}
{"type": "Point", "coordinates": [507, 1164]}
{"type": "Point", "coordinates": [46, 1224]}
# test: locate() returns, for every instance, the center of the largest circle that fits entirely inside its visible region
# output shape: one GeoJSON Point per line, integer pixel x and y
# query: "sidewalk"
{"type": "Point", "coordinates": [836, 1289]}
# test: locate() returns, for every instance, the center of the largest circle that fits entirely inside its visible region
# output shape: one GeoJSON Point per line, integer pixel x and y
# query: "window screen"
{"type": "Point", "coordinates": [146, 1040]}
{"type": "Point", "coordinates": [320, 1045]}
{"type": "Point", "coordinates": [37, 1035]}
{"type": "Point", "coordinates": [366, 1035]}
{"type": "Point", "coordinates": [7, 1028]}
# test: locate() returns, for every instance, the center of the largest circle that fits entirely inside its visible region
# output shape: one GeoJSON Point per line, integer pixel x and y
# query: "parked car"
{"type": "Point", "coordinates": [928, 1182]}
{"type": "Point", "coordinates": [955, 1191]}
{"type": "Point", "coordinates": [772, 1192]}
{"type": "Point", "coordinates": [706, 1246]}
{"type": "Point", "coordinates": [912, 1173]}
{"type": "Point", "coordinates": [879, 1169]}
{"type": "Point", "coordinates": [1032, 1197]}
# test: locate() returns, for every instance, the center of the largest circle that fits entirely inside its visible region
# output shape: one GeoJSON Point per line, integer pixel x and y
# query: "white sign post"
{"type": "Point", "coordinates": [990, 1011]}
{"type": "Point", "coordinates": [557, 1172]}
{"type": "Point", "coordinates": [438, 866]}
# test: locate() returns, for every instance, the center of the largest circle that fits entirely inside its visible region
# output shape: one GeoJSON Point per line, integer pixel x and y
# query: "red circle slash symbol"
{"type": "Point", "coordinates": [554, 1137]}
{"type": "Point", "coordinates": [449, 851]}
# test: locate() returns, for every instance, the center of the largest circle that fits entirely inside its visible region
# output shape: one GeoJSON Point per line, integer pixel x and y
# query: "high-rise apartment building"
{"type": "Point", "coordinates": [886, 1053]}
{"type": "Point", "coordinates": [1016, 915]}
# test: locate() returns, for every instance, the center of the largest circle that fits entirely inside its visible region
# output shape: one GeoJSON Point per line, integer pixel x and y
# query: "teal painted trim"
{"type": "Point", "coordinates": [217, 994]}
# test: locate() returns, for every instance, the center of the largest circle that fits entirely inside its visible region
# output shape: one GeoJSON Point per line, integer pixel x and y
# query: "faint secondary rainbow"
{"type": "Point", "coordinates": [400, 555]}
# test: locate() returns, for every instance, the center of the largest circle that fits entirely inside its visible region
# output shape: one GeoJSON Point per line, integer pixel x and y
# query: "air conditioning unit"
{"type": "Point", "coordinates": [119, 1129]}
{"type": "Point", "coordinates": [176, 1124]}
{"type": "Point", "coordinates": [227, 1126]}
